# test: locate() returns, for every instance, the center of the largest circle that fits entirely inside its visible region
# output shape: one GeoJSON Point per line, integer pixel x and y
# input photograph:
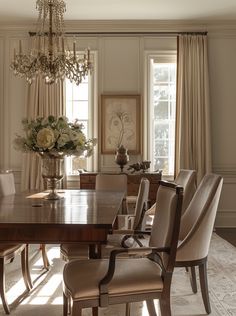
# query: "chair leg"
{"type": "Point", "coordinates": [46, 263]}
{"type": "Point", "coordinates": [76, 310]}
{"type": "Point", "coordinates": [95, 311]}
{"type": "Point", "coordinates": [151, 308]}
{"type": "Point", "coordinates": [204, 286]}
{"type": "Point", "coordinates": [65, 305]}
{"type": "Point", "coordinates": [127, 309]}
{"type": "Point", "coordinates": [193, 279]}
{"type": "Point", "coordinates": [165, 307]}
{"type": "Point", "coordinates": [2, 287]}
{"type": "Point", "coordinates": [25, 268]}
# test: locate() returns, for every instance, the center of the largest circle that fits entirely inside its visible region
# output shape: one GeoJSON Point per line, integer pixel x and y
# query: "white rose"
{"type": "Point", "coordinates": [45, 138]}
{"type": "Point", "coordinates": [63, 139]}
{"type": "Point", "coordinates": [77, 136]}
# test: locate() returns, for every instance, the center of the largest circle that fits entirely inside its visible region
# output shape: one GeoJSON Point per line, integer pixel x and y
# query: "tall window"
{"type": "Point", "coordinates": [77, 107]}
{"type": "Point", "coordinates": [162, 113]}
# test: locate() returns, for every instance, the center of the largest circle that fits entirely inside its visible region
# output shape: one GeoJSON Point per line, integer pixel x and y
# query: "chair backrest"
{"type": "Point", "coordinates": [142, 199]}
{"type": "Point", "coordinates": [188, 180]}
{"type": "Point", "coordinates": [111, 182]}
{"type": "Point", "coordinates": [165, 229]}
{"type": "Point", "coordinates": [198, 220]}
{"type": "Point", "coordinates": [7, 184]}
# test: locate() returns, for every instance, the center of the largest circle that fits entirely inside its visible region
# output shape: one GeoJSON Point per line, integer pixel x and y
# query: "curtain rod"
{"type": "Point", "coordinates": [131, 33]}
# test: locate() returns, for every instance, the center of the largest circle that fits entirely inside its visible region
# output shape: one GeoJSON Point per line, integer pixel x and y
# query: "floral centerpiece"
{"type": "Point", "coordinates": [53, 138]}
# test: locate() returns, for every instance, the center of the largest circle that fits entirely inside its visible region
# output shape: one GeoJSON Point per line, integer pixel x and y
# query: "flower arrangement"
{"type": "Point", "coordinates": [54, 136]}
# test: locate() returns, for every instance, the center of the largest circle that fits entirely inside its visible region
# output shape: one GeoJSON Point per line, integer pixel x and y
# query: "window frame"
{"type": "Point", "coordinates": [163, 55]}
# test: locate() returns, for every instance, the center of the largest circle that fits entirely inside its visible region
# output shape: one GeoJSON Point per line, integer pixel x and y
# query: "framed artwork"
{"type": "Point", "coordinates": [120, 120]}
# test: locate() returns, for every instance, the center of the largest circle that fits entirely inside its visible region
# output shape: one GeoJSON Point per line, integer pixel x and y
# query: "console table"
{"type": "Point", "coordinates": [88, 179]}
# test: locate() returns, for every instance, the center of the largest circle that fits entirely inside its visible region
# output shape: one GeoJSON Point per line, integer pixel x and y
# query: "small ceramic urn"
{"type": "Point", "coordinates": [121, 157]}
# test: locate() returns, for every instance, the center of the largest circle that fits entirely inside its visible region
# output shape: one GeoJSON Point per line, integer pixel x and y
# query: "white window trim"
{"type": "Point", "coordinates": [148, 56]}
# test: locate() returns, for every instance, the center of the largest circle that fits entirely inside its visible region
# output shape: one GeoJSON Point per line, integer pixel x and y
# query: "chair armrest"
{"type": "Point", "coordinates": [103, 284]}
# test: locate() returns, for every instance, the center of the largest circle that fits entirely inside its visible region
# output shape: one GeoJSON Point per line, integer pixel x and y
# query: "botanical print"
{"type": "Point", "coordinates": [120, 116]}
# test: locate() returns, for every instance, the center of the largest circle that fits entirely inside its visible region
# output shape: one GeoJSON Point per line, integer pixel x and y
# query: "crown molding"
{"type": "Point", "coordinates": [130, 26]}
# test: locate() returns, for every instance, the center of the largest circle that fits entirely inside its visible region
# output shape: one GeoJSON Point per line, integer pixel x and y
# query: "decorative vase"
{"type": "Point", "coordinates": [52, 168]}
{"type": "Point", "coordinates": [121, 157]}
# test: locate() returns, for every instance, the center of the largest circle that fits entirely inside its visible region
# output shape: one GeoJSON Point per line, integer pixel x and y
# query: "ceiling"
{"type": "Point", "coordinates": [24, 10]}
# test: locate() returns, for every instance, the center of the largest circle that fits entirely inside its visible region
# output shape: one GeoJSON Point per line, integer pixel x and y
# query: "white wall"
{"type": "Point", "coordinates": [222, 63]}
{"type": "Point", "coordinates": [121, 70]}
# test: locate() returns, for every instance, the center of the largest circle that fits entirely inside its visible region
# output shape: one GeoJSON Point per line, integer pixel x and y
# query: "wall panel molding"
{"type": "Point", "coordinates": [225, 218]}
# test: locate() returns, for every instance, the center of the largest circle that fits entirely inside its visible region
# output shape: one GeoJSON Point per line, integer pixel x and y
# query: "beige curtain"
{"type": "Point", "coordinates": [193, 139]}
{"type": "Point", "coordinates": [42, 100]}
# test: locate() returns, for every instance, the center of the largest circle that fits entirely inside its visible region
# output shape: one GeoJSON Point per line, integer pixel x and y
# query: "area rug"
{"type": "Point", "coordinates": [46, 296]}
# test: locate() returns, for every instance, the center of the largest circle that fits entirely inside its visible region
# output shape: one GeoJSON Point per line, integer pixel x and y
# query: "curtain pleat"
{"type": "Point", "coordinates": [42, 100]}
{"type": "Point", "coordinates": [193, 137]}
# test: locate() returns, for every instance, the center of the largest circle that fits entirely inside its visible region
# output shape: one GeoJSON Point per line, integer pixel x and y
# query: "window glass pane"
{"type": "Point", "coordinates": [69, 110]}
{"type": "Point", "coordinates": [161, 92]}
{"type": "Point", "coordinates": [172, 110]}
{"type": "Point", "coordinates": [173, 73]}
{"type": "Point", "coordinates": [161, 131]}
{"type": "Point", "coordinates": [78, 163]}
{"type": "Point", "coordinates": [80, 92]}
{"type": "Point", "coordinates": [69, 91]}
{"type": "Point", "coordinates": [161, 148]}
{"type": "Point", "coordinates": [172, 91]}
{"type": "Point", "coordinates": [161, 163]}
{"type": "Point", "coordinates": [80, 110]}
{"type": "Point", "coordinates": [161, 73]}
{"type": "Point", "coordinates": [161, 110]}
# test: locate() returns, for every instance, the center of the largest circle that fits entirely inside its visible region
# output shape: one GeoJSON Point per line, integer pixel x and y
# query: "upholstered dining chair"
{"type": "Point", "coordinates": [196, 231]}
{"type": "Point", "coordinates": [113, 182]}
{"type": "Point", "coordinates": [7, 187]}
{"type": "Point", "coordinates": [104, 182]}
{"type": "Point", "coordinates": [185, 178]}
{"type": "Point", "coordinates": [9, 251]}
{"type": "Point", "coordinates": [113, 280]}
{"type": "Point", "coordinates": [131, 222]}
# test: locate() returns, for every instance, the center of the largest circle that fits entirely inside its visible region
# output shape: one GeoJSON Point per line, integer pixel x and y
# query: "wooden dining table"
{"type": "Point", "coordinates": [84, 216]}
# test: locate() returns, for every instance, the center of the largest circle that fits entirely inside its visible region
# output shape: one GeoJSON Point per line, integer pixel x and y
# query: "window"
{"type": "Point", "coordinates": [80, 105]}
{"type": "Point", "coordinates": [162, 112]}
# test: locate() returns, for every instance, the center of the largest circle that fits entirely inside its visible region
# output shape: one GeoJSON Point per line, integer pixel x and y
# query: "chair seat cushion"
{"type": "Point", "coordinates": [74, 251]}
{"type": "Point", "coordinates": [7, 249]}
{"type": "Point", "coordinates": [132, 276]}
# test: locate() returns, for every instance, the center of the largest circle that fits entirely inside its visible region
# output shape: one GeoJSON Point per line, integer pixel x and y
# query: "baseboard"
{"type": "Point", "coordinates": [226, 218]}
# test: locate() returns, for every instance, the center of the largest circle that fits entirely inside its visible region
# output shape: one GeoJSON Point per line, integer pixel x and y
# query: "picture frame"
{"type": "Point", "coordinates": [120, 121]}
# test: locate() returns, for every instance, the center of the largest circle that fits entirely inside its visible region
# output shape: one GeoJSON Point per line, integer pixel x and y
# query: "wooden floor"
{"type": "Point", "coordinates": [228, 234]}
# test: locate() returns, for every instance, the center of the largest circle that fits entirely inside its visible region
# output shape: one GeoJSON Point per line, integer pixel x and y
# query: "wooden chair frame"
{"type": "Point", "coordinates": [23, 249]}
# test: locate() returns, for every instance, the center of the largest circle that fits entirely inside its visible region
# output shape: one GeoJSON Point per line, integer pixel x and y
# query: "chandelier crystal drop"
{"type": "Point", "coordinates": [48, 55]}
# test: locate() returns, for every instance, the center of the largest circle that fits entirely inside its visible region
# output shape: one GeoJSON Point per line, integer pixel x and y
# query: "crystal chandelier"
{"type": "Point", "coordinates": [48, 55]}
